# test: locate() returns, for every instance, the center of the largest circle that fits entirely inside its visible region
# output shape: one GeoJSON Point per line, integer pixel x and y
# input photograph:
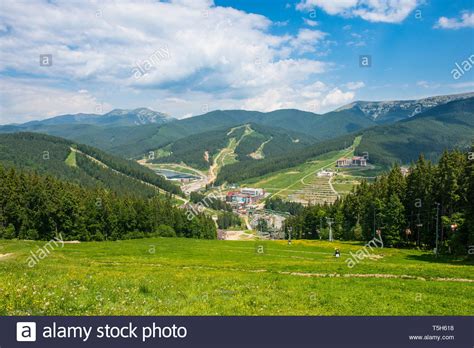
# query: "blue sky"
{"type": "Point", "coordinates": [187, 57]}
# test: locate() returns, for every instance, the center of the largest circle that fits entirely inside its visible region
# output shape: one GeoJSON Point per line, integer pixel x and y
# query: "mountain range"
{"type": "Point", "coordinates": [392, 111]}
{"type": "Point", "coordinates": [114, 118]}
{"type": "Point", "coordinates": [391, 131]}
{"type": "Point", "coordinates": [443, 127]}
{"type": "Point", "coordinates": [133, 133]}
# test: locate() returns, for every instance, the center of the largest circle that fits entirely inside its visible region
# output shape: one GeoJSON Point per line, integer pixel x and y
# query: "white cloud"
{"type": "Point", "coordinates": [317, 97]}
{"type": "Point", "coordinates": [215, 53]}
{"type": "Point", "coordinates": [310, 22]}
{"type": "Point", "coordinates": [24, 100]}
{"type": "Point", "coordinates": [357, 40]}
{"type": "Point", "coordinates": [355, 85]}
{"type": "Point", "coordinates": [388, 11]}
{"type": "Point", "coordinates": [281, 23]}
{"type": "Point", "coordinates": [307, 39]}
{"type": "Point", "coordinates": [466, 21]}
{"type": "Point", "coordinates": [336, 97]}
{"type": "Point", "coordinates": [462, 85]}
{"type": "Point", "coordinates": [426, 84]}
{"type": "Point", "coordinates": [330, 6]}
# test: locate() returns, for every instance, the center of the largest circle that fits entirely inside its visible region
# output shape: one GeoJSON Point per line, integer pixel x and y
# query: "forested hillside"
{"type": "Point", "coordinates": [270, 141]}
{"type": "Point", "coordinates": [447, 126]}
{"type": "Point", "coordinates": [444, 127]}
{"type": "Point", "coordinates": [249, 168]}
{"type": "Point", "coordinates": [41, 207]}
{"type": "Point", "coordinates": [403, 210]}
{"type": "Point", "coordinates": [88, 167]}
{"type": "Point", "coordinates": [137, 141]}
{"type": "Point", "coordinates": [191, 150]}
{"type": "Point", "coordinates": [151, 137]}
{"type": "Point", "coordinates": [133, 133]}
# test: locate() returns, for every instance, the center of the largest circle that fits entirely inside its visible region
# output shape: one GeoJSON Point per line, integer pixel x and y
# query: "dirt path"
{"type": "Point", "coordinates": [237, 235]}
{"type": "Point", "coordinates": [332, 187]}
{"type": "Point", "coordinates": [258, 154]}
{"type": "Point", "coordinates": [227, 151]}
{"type": "Point", "coordinates": [247, 223]}
{"type": "Point", "coordinates": [300, 274]}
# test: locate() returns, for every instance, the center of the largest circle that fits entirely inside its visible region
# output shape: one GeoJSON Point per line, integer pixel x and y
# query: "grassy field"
{"type": "Point", "coordinates": [71, 159]}
{"type": "Point", "coordinates": [199, 277]}
{"type": "Point", "coordinates": [300, 183]}
{"type": "Point", "coordinates": [286, 182]}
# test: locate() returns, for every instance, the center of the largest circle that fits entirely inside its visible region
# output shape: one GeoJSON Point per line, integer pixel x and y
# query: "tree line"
{"type": "Point", "coordinates": [431, 202]}
{"type": "Point", "coordinates": [210, 201]}
{"type": "Point", "coordinates": [46, 155]}
{"type": "Point", "coordinates": [279, 204]}
{"type": "Point", "coordinates": [131, 168]}
{"type": "Point", "coordinates": [34, 206]}
{"type": "Point", "coordinates": [226, 219]}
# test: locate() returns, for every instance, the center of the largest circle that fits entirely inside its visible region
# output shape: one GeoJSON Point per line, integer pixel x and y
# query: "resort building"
{"type": "Point", "coordinates": [356, 161]}
{"type": "Point", "coordinates": [245, 196]}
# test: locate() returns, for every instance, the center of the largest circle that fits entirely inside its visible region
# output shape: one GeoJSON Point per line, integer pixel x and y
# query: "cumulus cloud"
{"type": "Point", "coordinates": [24, 100]}
{"type": "Point", "coordinates": [336, 97]}
{"type": "Point", "coordinates": [316, 97]}
{"type": "Point", "coordinates": [465, 21]}
{"type": "Point", "coordinates": [388, 11]}
{"type": "Point", "coordinates": [310, 22]}
{"type": "Point", "coordinates": [355, 85]}
{"type": "Point", "coordinates": [217, 54]}
{"type": "Point", "coordinates": [307, 39]}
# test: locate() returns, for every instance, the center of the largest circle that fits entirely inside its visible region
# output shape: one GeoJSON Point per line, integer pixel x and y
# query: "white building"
{"type": "Point", "coordinates": [254, 192]}
{"type": "Point", "coordinates": [325, 173]}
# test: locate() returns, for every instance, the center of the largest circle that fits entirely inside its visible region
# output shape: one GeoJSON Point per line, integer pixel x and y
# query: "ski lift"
{"type": "Point", "coordinates": [418, 221]}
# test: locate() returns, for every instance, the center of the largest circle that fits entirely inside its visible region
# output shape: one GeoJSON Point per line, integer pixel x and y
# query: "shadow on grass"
{"type": "Point", "coordinates": [444, 259]}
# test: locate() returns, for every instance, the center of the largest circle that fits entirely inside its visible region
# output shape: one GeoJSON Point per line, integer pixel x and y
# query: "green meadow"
{"type": "Point", "coordinates": [284, 182]}
{"type": "Point", "coordinates": [172, 276]}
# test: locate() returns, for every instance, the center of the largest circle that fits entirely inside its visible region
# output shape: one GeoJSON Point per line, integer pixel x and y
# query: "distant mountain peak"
{"type": "Point", "coordinates": [393, 110]}
{"type": "Point", "coordinates": [141, 115]}
{"type": "Point", "coordinates": [116, 117]}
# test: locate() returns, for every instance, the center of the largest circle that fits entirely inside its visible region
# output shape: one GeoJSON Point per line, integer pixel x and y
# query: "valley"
{"type": "Point", "coordinates": [223, 173]}
{"type": "Point", "coordinates": [315, 179]}
{"type": "Point", "coordinates": [249, 186]}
